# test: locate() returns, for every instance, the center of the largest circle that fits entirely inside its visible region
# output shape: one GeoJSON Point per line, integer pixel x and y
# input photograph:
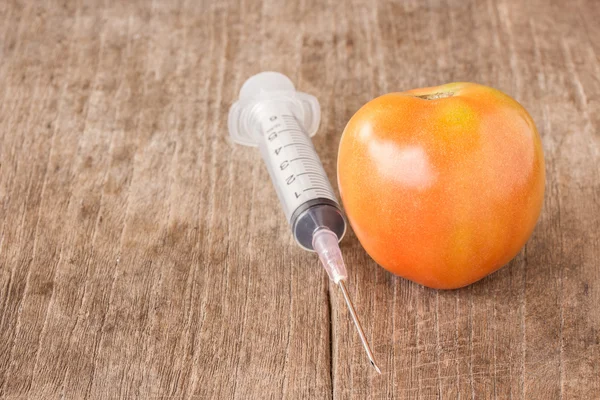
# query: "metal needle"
{"type": "Point", "coordinates": [363, 338]}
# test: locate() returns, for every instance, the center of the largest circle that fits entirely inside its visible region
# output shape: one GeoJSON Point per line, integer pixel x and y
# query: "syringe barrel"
{"type": "Point", "coordinates": [302, 186]}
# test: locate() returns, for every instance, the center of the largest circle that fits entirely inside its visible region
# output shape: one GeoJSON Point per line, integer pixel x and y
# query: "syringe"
{"type": "Point", "coordinates": [270, 114]}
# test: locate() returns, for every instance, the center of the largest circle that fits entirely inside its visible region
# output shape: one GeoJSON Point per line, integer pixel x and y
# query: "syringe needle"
{"type": "Point", "coordinates": [363, 338]}
{"type": "Point", "coordinates": [325, 244]}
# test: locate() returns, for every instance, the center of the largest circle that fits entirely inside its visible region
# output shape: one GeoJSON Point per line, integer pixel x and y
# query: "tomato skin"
{"type": "Point", "coordinates": [446, 190]}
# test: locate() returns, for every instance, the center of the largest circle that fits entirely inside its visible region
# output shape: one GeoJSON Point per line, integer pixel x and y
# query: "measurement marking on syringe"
{"type": "Point", "coordinates": [308, 166]}
{"type": "Point", "coordinates": [318, 191]}
{"type": "Point", "coordinates": [308, 173]}
{"type": "Point", "coordinates": [314, 178]}
{"type": "Point", "coordinates": [305, 151]}
{"type": "Point", "coordinates": [315, 187]}
{"type": "Point", "coordinates": [311, 168]}
{"type": "Point", "coordinates": [313, 174]}
{"type": "Point", "coordinates": [292, 130]}
{"type": "Point", "coordinates": [312, 159]}
{"type": "Point", "coordinates": [318, 182]}
{"type": "Point", "coordinates": [322, 184]}
{"type": "Point", "coordinates": [321, 192]}
{"type": "Point", "coordinates": [302, 158]}
{"type": "Point", "coordinates": [296, 140]}
{"type": "Point", "coordinates": [298, 144]}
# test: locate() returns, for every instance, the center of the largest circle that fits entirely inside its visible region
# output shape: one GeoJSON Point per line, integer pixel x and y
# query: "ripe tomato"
{"type": "Point", "coordinates": [442, 185]}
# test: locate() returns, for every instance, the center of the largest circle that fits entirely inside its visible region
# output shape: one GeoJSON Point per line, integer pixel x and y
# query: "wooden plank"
{"type": "Point", "coordinates": [144, 255]}
{"type": "Point", "coordinates": [28, 258]}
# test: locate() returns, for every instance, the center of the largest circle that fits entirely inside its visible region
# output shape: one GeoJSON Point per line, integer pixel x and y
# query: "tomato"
{"type": "Point", "coordinates": [442, 185]}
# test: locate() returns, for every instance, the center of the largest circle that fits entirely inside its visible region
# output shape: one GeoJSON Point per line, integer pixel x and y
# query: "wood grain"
{"type": "Point", "coordinates": [143, 255]}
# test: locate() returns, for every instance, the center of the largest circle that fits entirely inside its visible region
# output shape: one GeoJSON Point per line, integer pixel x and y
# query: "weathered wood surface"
{"type": "Point", "coordinates": [142, 255]}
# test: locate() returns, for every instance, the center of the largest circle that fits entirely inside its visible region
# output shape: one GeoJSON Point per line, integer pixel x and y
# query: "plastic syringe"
{"type": "Point", "coordinates": [272, 115]}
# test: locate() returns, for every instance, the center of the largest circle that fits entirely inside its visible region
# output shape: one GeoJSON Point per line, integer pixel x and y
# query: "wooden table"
{"type": "Point", "coordinates": [143, 255]}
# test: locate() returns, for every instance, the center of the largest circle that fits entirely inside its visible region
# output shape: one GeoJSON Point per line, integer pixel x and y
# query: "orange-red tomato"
{"type": "Point", "coordinates": [442, 185]}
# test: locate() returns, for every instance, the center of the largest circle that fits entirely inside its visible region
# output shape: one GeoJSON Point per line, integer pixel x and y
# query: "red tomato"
{"type": "Point", "coordinates": [442, 185]}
